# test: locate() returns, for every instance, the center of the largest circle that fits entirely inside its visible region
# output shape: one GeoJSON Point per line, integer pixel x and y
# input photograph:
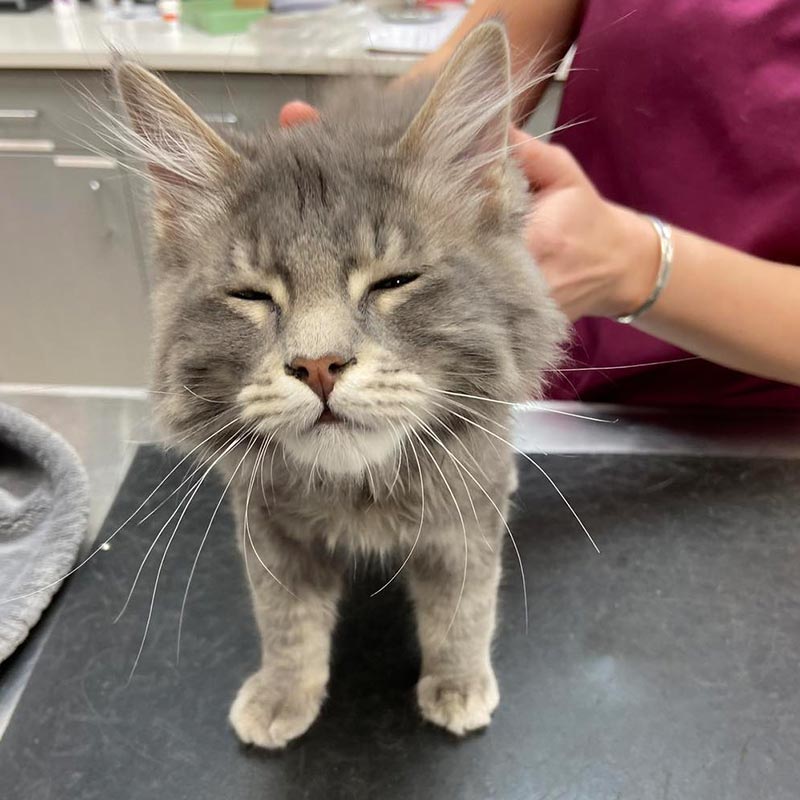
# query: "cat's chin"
{"type": "Point", "coordinates": [341, 451]}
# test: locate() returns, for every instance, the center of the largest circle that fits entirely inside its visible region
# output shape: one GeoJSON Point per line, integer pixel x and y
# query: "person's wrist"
{"type": "Point", "coordinates": [636, 264]}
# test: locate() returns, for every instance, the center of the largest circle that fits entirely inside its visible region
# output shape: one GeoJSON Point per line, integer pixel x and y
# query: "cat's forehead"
{"type": "Point", "coordinates": [312, 259]}
{"type": "Point", "coordinates": [315, 218]}
{"type": "Point", "coordinates": [301, 217]}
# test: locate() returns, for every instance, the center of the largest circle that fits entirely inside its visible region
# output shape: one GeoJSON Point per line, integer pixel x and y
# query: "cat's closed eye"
{"type": "Point", "coordinates": [250, 295]}
{"type": "Point", "coordinates": [395, 282]}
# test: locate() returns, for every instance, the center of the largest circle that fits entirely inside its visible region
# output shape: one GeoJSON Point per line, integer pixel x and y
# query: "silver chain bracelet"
{"type": "Point", "coordinates": [664, 232]}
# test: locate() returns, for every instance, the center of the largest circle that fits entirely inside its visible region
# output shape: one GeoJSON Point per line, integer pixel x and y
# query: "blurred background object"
{"type": "Point", "coordinates": [44, 511]}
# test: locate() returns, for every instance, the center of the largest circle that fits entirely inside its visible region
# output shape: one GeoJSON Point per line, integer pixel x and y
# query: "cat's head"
{"type": "Point", "coordinates": [340, 284]}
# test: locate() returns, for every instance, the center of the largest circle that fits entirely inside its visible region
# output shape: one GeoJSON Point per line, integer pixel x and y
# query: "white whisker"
{"type": "Point", "coordinates": [271, 469]}
{"type": "Point", "coordinates": [531, 405]}
{"type": "Point", "coordinates": [541, 469]}
{"type": "Point", "coordinates": [103, 545]}
{"type": "Point", "coordinates": [246, 530]}
{"type": "Point", "coordinates": [189, 494]}
{"type": "Point", "coordinates": [314, 464]}
{"type": "Point", "coordinates": [205, 399]}
{"type": "Point", "coordinates": [261, 468]}
{"type": "Point", "coordinates": [194, 491]}
{"type": "Point", "coordinates": [431, 433]}
{"type": "Point", "coordinates": [401, 450]}
{"type": "Point", "coordinates": [631, 366]}
{"type": "Point", "coordinates": [463, 528]}
{"type": "Point", "coordinates": [189, 475]}
{"type": "Point", "coordinates": [421, 518]}
{"type": "Point", "coordinates": [502, 519]}
{"type": "Point", "coordinates": [474, 411]}
{"type": "Point", "coordinates": [457, 437]}
{"type": "Point", "coordinates": [534, 406]}
{"type": "Point", "coordinates": [370, 479]}
{"type": "Point", "coordinates": [200, 549]}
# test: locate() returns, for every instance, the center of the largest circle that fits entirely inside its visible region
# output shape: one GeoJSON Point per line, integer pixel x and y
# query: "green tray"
{"type": "Point", "coordinates": [219, 16]}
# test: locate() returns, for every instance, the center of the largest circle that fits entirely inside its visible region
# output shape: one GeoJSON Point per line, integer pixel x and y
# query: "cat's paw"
{"type": "Point", "coordinates": [459, 704]}
{"type": "Point", "coordinates": [270, 714]}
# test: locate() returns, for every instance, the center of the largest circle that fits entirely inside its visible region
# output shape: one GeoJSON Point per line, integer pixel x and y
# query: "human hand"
{"type": "Point", "coordinates": [600, 259]}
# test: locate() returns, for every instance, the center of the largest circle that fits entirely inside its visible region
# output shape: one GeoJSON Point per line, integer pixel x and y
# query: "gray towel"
{"type": "Point", "coordinates": [44, 508]}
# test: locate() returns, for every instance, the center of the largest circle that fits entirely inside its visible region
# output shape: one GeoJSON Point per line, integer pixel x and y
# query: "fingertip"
{"type": "Point", "coordinates": [297, 112]}
{"type": "Point", "coordinates": [544, 164]}
{"type": "Point", "coordinates": [525, 147]}
{"type": "Point", "coordinates": [517, 136]}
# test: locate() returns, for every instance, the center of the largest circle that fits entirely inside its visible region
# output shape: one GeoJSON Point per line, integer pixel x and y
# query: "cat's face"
{"type": "Point", "coordinates": [331, 284]}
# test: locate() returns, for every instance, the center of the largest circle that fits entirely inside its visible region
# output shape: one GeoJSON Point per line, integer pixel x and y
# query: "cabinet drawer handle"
{"type": "Point", "coordinates": [223, 118]}
{"type": "Point", "coordinates": [19, 113]}
{"type": "Point", "coordinates": [84, 162]}
{"type": "Point", "coordinates": [27, 146]}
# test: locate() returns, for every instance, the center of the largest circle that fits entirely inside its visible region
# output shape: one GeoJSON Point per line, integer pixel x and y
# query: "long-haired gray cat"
{"type": "Point", "coordinates": [336, 306]}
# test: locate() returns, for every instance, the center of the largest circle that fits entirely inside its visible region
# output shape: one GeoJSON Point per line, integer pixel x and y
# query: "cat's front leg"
{"type": "Point", "coordinates": [281, 701]}
{"type": "Point", "coordinates": [457, 689]}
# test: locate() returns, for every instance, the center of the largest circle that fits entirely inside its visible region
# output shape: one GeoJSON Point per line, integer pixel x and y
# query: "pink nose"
{"type": "Point", "coordinates": [319, 374]}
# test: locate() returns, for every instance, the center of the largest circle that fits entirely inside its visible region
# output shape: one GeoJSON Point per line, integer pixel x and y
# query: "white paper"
{"type": "Point", "coordinates": [413, 38]}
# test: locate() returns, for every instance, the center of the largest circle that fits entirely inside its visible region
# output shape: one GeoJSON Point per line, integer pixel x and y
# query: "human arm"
{"type": "Point", "coordinates": [539, 35]}
{"type": "Point", "coordinates": [731, 308]}
{"type": "Point", "coordinates": [601, 259]}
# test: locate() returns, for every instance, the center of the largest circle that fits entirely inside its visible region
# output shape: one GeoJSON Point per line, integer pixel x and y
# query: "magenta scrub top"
{"type": "Point", "coordinates": [693, 110]}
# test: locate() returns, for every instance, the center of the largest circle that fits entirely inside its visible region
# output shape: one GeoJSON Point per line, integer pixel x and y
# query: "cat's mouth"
{"type": "Point", "coordinates": [328, 417]}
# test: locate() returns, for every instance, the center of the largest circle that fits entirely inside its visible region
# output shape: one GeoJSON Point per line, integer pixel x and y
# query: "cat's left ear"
{"type": "Point", "coordinates": [182, 153]}
{"type": "Point", "coordinates": [466, 118]}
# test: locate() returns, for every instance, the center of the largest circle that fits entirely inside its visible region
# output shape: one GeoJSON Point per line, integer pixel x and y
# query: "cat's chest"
{"type": "Point", "coordinates": [366, 533]}
{"type": "Point", "coordinates": [359, 523]}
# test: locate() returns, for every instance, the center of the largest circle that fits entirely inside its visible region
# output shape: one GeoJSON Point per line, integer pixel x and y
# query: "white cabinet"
{"type": "Point", "coordinates": [73, 267]}
{"type": "Point", "coordinates": [73, 303]}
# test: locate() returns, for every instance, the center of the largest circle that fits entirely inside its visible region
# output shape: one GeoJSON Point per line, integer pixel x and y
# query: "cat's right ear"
{"type": "Point", "coordinates": [183, 154]}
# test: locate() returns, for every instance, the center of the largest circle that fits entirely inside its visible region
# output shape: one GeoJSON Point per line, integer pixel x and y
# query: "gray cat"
{"type": "Point", "coordinates": [336, 307]}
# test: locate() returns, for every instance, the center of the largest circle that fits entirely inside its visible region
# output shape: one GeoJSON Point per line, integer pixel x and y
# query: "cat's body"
{"type": "Point", "coordinates": [308, 538]}
{"type": "Point", "coordinates": [329, 298]}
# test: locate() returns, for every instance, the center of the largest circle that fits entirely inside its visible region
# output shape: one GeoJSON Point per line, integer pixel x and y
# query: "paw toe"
{"type": "Point", "coordinates": [460, 705]}
{"type": "Point", "coordinates": [266, 717]}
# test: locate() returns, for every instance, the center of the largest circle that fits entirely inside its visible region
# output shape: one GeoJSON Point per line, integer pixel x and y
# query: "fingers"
{"type": "Point", "coordinates": [297, 113]}
{"type": "Point", "coordinates": [545, 165]}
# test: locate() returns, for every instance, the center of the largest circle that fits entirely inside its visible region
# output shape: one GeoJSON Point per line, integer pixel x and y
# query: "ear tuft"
{"type": "Point", "coordinates": [466, 118]}
{"type": "Point", "coordinates": [181, 151]}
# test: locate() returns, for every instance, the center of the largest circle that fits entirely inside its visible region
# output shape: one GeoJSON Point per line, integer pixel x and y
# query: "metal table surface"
{"type": "Point", "coordinates": [106, 425]}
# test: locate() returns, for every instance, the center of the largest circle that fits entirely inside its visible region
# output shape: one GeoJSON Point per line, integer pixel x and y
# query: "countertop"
{"type": "Point", "coordinates": [330, 42]}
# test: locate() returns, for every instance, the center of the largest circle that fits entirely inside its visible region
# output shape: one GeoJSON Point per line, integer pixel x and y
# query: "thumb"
{"type": "Point", "coordinates": [546, 166]}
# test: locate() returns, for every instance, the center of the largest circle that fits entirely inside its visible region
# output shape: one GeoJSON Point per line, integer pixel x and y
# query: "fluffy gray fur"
{"type": "Point", "coordinates": [408, 181]}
